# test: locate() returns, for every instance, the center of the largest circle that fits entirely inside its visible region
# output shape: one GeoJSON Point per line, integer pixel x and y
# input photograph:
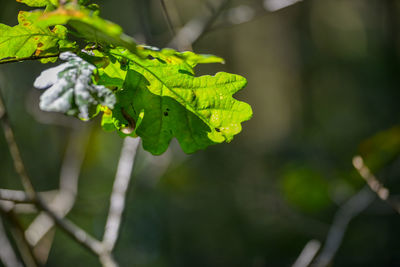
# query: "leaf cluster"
{"type": "Point", "coordinates": [140, 90]}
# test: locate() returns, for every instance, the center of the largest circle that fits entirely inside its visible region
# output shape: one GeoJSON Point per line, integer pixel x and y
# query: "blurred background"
{"type": "Point", "coordinates": [323, 78]}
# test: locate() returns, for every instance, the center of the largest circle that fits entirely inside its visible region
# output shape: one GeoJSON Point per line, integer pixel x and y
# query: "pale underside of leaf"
{"type": "Point", "coordinates": [70, 89]}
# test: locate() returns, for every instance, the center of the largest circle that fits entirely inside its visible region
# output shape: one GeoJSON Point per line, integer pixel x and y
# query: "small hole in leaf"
{"type": "Point", "coordinates": [218, 130]}
{"type": "Point", "coordinates": [150, 57]}
{"type": "Point", "coordinates": [165, 113]}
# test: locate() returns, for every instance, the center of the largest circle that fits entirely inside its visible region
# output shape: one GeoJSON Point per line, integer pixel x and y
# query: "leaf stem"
{"type": "Point", "coordinates": [15, 60]}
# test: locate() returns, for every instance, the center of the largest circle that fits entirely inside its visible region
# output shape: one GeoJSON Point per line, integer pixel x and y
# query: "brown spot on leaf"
{"type": "Point", "coordinates": [40, 45]}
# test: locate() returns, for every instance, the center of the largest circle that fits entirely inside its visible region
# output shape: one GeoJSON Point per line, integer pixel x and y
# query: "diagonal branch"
{"type": "Point", "coordinates": [120, 187]}
{"type": "Point", "coordinates": [15, 154]}
{"type": "Point", "coordinates": [381, 191]}
{"type": "Point", "coordinates": [190, 33]}
{"type": "Point", "coordinates": [307, 254]}
{"type": "Point", "coordinates": [26, 251]}
{"type": "Point", "coordinates": [15, 196]}
{"type": "Point", "coordinates": [167, 17]}
{"type": "Point", "coordinates": [7, 254]}
{"type": "Point", "coordinates": [79, 235]}
{"type": "Point", "coordinates": [350, 209]}
{"type": "Point", "coordinates": [66, 196]}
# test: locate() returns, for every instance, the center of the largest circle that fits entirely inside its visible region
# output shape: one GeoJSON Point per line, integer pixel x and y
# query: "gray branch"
{"type": "Point", "coordinates": [348, 211]}
{"type": "Point", "coordinates": [79, 235]}
{"type": "Point", "coordinates": [64, 200]}
{"type": "Point", "coordinates": [307, 254]}
{"type": "Point", "coordinates": [120, 187]}
{"type": "Point", "coordinates": [7, 254]}
{"type": "Point", "coordinates": [15, 196]}
{"type": "Point", "coordinates": [190, 33]}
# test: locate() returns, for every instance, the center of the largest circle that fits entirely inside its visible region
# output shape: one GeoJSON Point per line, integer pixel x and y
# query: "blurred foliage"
{"type": "Point", "coordinates": [323, 78]}
{"type": "Point", "coordinates": [305, 188]}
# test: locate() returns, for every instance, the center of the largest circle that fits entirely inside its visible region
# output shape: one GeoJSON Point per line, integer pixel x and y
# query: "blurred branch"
{"type": "Point", "coordinates": [245, 13]}
{"type": "Point", "coordinates": [79, 235]}
{"type": "Point", "coordinates": [7, 254]}
{"type": "Point", "coordinates": [15, 154]}
{"type": "Point", "coordinates": [307, 254]}
{"type": "Point", "coordinates": [190, 33]}
{"type": "Point", "coordinates": [348, 211]}
{"type": "Point", "coordinates": [374, 184]}
{"type": "Point", "coordinates": [26, 251]}
{"type": "Point", "coordinates": [66, 196]}
{"type": "Point", "coordinates": [167, 17]}
{"type": "Point", "coordinates": [15, 196]}
{"type": "Point", "coordinates": [275, 5]}
{"type": "Point", "coordinates": [120, 187]}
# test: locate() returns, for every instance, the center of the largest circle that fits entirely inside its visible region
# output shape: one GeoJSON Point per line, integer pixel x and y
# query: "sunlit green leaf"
{"type": "Point", "coordinates": [28, 39]}
{"type": "Point", "coordinates": [198, 111]}
{"type": "Point", "coordinates": [89, 26]}
{"type": "Point", "coordinates": [39, 3]}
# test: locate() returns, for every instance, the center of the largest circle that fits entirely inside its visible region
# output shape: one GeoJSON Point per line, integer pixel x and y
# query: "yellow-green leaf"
{"type": "Point", "coordinates": [39, 3]}
{"type": "Point", "coordinates": [28, 39]}
{"type": "Point", "coordinates": [198, 111]}
{"type": "Point", "coordinates": [89, 26]}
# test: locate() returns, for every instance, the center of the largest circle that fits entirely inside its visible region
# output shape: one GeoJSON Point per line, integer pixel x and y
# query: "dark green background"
{"type": "Point", "coordinates": [323, 77]}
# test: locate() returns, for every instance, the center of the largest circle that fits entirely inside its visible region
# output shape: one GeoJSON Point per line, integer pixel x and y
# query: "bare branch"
{"type": "Point", "coordinates": [79, 235]}
{"type": "Point", "coordinates": [350, 209]}
{"type": "Point", "coordinates": [374, 184]}
{"type": "Point", "coordinates": [66, 196]}
{"type": "Point", "coordinates": [15, 154]}
{"type": "Point", "coordinates": [7, 254]}
{"type": "Point", "coordinates": [275, 5]}
{"type": "Point", "coordinates": [17, 231]}
{"type": "Point", "coordinates": [196, 28]}
{"type": "Point", "coordinates": [307, 254]}
{"type": "Point", "coordinates": [15, 196]}
{"type": "Point", "coordinates": [167, 17]}
{"type": "Point", "coordinates": [118, 196]}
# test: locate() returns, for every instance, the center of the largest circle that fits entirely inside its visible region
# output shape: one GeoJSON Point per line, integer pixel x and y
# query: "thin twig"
{"type": "Point", "coordinates": [167, 17]}
{"type": "Point", "coordinates": [26, 251]}
{"type": "Point", "coordinates": [120, 187]}
{"type": "Point", "coordinates": [7, 254]}
{"type": "Point", "coordinates": [382, 192]}
{"type": "Point", "coordinates": [15, 154]}
{"type": "Point", "coordinates": [196, 28]}
{"type": "Point", "coordinates": [350, 209]}
{"type": "Point", "coordinates": [307, 254]}
{"type": "Point", "coordinates": [71, 229]}
{"type": "Point", "coordinates": [15, 60]}
{"type": "Point", "coordinates": [15, 196]}
{"type": "Point", "coordinates": [66, 196]}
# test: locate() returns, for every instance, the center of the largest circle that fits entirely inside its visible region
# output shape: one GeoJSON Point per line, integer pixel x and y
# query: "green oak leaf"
{"type": "Point", "coordinates": [198, 111]}
{"type": "Point", "coordinates": [28, 39]}
{"type": "Point", "coordinates": [89, 26]}
{"type": "Point", "coordinates": [39, 3]}
{"type": "Point", "coordinates": [71, 89]}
